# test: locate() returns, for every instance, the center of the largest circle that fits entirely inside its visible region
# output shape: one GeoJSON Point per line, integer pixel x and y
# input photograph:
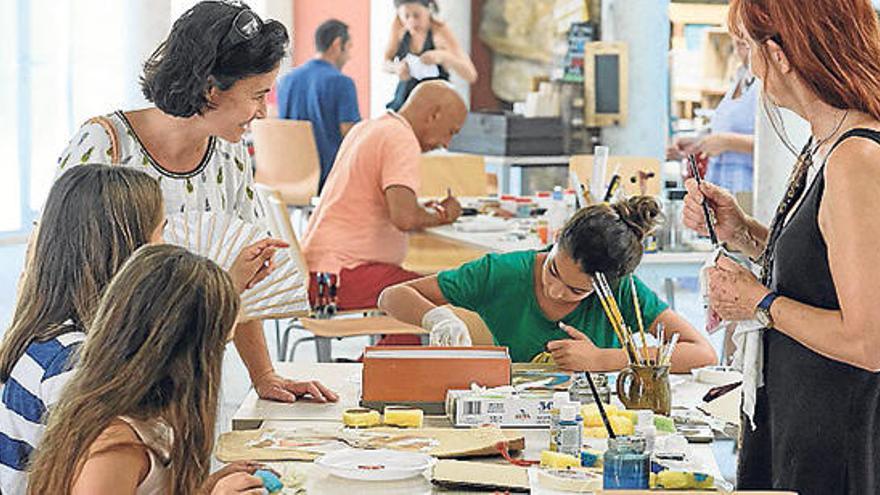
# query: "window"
{"type": "Point", "coordinates": [52, 50]}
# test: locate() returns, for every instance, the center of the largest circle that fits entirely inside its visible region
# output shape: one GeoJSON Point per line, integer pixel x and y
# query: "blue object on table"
{"type": "Point", "coordinates": [627, 465]}
{"type": "Point", "coordinates": [270, 481]}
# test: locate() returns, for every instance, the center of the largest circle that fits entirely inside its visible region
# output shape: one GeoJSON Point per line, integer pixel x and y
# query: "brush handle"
{"type": "Point", "coordinates": [599, 405]}
{"type": "Point", "coordinates": [692, 163]}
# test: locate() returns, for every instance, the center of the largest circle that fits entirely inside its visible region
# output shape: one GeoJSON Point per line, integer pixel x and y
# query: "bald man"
{"type": "Point", "coordinates": [369, 205]}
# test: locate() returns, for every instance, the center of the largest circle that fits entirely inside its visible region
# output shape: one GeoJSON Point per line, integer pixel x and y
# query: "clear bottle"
{"type": "Point", "coordinates": [626, 464]}
{"type": "Point", "coordinates": [580, 391]}
{"type": "Point", "coordinates": [557, 213]}
{"type": "Point", "coordinates": [645, 427]}
{"type": "Point", "coordinates": [569, 437]}
{"type": "Point", "coordinates": [559, 399]}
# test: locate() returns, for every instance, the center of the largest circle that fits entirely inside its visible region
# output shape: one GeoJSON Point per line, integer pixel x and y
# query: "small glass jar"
{"type": "Point", "coordinates": [626, 464]}
{"type": "Point", "coordinates": [580, 392]}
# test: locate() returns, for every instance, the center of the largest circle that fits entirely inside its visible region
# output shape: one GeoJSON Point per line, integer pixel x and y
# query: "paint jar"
{"type": "Point", "coordinates": [627, 465]}
{"type": "Point", "coordinates": [580, 391]}
{"type": "Point", "coordinates": [542, 228]}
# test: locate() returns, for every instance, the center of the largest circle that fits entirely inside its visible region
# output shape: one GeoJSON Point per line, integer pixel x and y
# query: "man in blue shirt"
{"type": "Point", "coordinates": [318, 92]}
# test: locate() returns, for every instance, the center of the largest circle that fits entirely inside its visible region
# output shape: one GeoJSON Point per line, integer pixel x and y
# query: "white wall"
{"type": "Point", "coordinates": [773, 161]}
{"type": "Point", "coordinates": [457, 13]}
{"type": "Point", "coordinates": [644, 26]}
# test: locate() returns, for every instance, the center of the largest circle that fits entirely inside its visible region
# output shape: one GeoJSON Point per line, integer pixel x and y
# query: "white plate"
{"type": "Point", "coordinates": [375, 465]}
{"type": "Point", "coordinates": [716, 375]}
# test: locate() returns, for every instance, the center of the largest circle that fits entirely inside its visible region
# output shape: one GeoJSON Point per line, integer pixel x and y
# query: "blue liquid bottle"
{"type": "Point", "coordinates": [627, 464]}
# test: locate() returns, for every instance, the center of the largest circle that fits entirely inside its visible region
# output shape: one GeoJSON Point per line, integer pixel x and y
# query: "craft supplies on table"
{"type": "Point", "coordinates": [422, 376]}
{"type": "Point", "coordinates": [467, 475]}
{"type": "Point", "coordinates": [404, 417]}
{"type": "Point", "coordinates": [375, 465]}
{"type": "Point", "coordinates": [503, 408]}
{"type": "Point", "coordinates": [361, 418]}
{"type": "Point", "coordinates": [270, 482]}
{"type": "Point", "coordinates": [626, 464]}
{"type": "Point", "coordinates": [308, 443]}
{"type": "Point", "coordinates": [569, 436]}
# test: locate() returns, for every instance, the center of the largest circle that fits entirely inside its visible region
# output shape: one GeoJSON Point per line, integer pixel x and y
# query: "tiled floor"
{"type": "Point", "coordinates": [235, 379]}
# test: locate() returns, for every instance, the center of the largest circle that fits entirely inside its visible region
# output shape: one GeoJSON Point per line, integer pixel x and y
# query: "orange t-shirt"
{"type": "Point", "coordinates": [351, 225]}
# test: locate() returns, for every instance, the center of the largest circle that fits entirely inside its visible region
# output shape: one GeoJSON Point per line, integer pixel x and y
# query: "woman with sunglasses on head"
{"type": "Point", "coordinates": [524, 296]}
{"type": "Point", "coordinates": [208, 80]}
{"type": "Point", "coordinates": [419, 37]}
{"type": "Point", "coordinates": [815, 419]}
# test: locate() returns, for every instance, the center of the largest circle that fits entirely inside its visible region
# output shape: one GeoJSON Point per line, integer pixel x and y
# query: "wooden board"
{"type": "Point", "coordinates": [351, 327]}
{"type": "Point", "coordinates": [480, 476]}
{"type": "Point", "coordinates": [449, 443]}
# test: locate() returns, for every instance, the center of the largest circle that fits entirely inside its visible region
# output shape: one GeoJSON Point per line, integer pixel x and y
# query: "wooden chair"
{"type": "Point", "coordinates": [464, 174]}
{"type": "Point", "coordinates": [629, 167]}
{"type": "Point", "coordinates": [287, 160]}
{"type": "Point", "coordinates": [324, 331]}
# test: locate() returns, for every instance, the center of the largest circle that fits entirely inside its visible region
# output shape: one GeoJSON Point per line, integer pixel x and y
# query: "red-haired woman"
{"type": "Point", "coordinates": [816, 418]}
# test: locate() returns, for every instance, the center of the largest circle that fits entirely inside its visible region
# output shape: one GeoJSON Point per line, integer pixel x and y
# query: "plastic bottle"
{"type": "Point", "coordinates": [559, 399]}
{"type": "Point", "coordinates": [571, 426]}
{"type": "Point", "coordinates": [557, 213]}
{"type": "Point", "coordinates": [645, 427]}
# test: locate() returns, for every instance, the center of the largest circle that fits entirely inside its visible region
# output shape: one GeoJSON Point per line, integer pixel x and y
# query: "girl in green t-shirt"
{"type": "Point", "coordinates": [524, 296]}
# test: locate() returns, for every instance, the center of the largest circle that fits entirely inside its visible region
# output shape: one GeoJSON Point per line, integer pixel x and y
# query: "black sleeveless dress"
{"type": "Point", "coordinates": [404, 88]}
{"type": "Point", "coordinates": [818, 420]}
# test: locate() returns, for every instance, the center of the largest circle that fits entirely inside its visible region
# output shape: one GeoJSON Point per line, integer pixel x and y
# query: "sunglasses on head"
{"type": "Point", "coordinates": [245, 26]}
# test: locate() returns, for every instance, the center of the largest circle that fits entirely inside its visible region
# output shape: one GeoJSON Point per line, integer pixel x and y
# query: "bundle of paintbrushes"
{"type": "Point", "coordinates": [636, 355]}
{"type": "Point", "coordinates": [612, 311]}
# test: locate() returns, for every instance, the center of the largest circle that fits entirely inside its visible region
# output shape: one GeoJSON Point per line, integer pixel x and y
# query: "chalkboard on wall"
{"type": "Point", "coordinates": [605, 84]}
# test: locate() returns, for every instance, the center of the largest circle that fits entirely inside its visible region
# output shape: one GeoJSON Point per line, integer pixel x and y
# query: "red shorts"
{"type": "Point", "coordinates": [359, 288]}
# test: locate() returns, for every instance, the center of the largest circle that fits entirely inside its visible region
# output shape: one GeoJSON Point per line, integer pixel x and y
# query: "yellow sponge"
{"type": "Point", "coordinates": [620, 425]}
{"type": "Point", "coordinates": [679, 480]}
{"type": "Point", "coordinates": [404, 417]}
{"type": "Point", "coordinates": [558, 461]}
{"type": "Point", "coordinates": [591, 415]}
{"type": "Point", "coordinates": [361, 418]}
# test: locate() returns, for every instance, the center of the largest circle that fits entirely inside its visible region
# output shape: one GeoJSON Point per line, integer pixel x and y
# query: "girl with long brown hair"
{"type": "Point", "coordinates": [812, 411]}
{"type": "Point", "coordinates": [94, 218]}
{"type": "Point", "coordinates": [138, 415]}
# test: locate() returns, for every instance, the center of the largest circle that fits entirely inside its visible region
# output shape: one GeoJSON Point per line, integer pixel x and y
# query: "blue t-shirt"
{"type": "Point", "coordinates": [318, 92]}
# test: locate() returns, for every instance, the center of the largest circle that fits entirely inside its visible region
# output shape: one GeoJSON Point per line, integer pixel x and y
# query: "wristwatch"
{"type": "Point", "coordinates": [762, 311]}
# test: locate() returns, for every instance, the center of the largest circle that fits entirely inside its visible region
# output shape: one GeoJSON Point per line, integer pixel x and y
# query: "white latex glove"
{"type": "Point", "coordinates": [446, 329]}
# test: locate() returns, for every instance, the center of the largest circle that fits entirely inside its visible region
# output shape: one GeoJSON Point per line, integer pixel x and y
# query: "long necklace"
{"type": "Point", "coordinates": [815, 147]}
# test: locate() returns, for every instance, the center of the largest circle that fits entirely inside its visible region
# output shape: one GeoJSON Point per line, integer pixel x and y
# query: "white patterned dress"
{"type": "Point", "coordinates": [223, 180]}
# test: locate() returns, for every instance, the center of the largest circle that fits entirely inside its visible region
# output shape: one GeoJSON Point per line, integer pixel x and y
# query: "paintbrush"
{"type": "Point", "coordinates": [637, 307]}
{"type": "Point", "coordinates": [625, 335]}
{"type": "Point", "coordinates": [710, 227]}
{"type": "Point", "coordinates": [600, 406]}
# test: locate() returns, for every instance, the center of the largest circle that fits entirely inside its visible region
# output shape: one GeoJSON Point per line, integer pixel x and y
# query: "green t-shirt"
{"type": "Point", "coordinates": [501, 289]}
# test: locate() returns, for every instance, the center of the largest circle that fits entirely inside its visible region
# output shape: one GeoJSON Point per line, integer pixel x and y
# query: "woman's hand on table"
{"type": "Point", "coordinates": [236, 478]}
{"type": "Point", "coordinates": [575, 354]}
{"type": "Point", "coordinates": [272, 386]}
{"type": "Point", "coordinates": [734, 291]}
{"type": "Point", "coordinates": [254, 263]}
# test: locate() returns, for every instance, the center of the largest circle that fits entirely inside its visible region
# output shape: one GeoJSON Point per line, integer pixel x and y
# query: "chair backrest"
{"type": "Point", "coordinates": [629, 167]}
{"type": "Point", "coordinates": [278, 218]}
{"type": "Point", "coordinates": [464, 174]}
{"type": "Point", "coordinates": [287, 158]}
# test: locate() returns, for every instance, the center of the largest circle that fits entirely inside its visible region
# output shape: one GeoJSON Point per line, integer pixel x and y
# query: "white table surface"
{"type": "Point", "coordinates": [345, 379]}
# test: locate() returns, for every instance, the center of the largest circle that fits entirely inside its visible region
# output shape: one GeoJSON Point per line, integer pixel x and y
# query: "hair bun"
{"type": "Point", "coordinates": [642, 214]}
